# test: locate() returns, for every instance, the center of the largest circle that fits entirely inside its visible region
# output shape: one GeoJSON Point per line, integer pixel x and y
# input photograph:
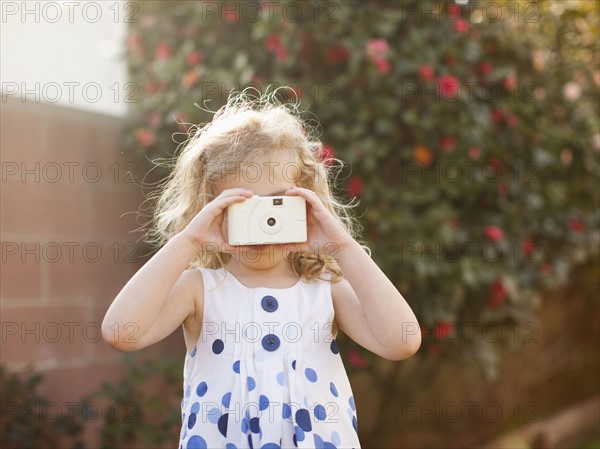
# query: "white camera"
{"type": "Point", "coordinates": [267, 220]}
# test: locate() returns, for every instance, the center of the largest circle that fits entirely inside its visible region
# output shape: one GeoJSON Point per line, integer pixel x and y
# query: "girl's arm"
{"type": "Point", "coordinates": [369, 308]}
{"type": "Point", "coordinates": [156, 300]}
{"type": "Point", "coordinates": [159, 298]}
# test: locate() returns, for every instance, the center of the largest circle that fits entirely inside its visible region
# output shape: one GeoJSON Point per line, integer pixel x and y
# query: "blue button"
{"type": "Point", "coordinates": [269, 304]}
{"type": "Point", "coordinates": [270, 342]}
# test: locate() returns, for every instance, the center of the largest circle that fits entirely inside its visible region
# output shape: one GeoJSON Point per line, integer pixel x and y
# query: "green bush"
{"type": "Point", "coordinates": [509, 98]}
{"type": "Point", "coordinates": [29, 420]}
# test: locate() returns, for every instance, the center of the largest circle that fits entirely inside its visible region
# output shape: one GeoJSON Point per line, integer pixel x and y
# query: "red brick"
{"type": "Point", "coordinates": [43, 334]}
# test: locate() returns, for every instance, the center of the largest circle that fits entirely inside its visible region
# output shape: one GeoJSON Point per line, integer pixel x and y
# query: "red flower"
{"type": "Point", "coordinates": [512, 120]}
{"type": "Point", "coordinates": [422, 155]}
{"type": "Point", "coordinates": [231, 16]}
{"type": "Point", "coordinates": [496, 116]}
{"type": "Point", "coordinates": [355, 186]}
{"type": "Point", "coordinates": [435, 349]}
{"type": "Point", "coordinates": [450, 60]}
{"type": "Point", "coordinates": [576, 225]}
{"type": "Point", "coordinates": [145, 136]}
{"type": "Point", "coordinates": [485, 67]}
{"type": "Point", "coordinates": [546, 269]}
{"type": "Point", "coordinates": [162, 52]}
{"type": "Point", "coordinates": [497, 295]}
{"type": "Point", "coordinates": [337, 54]}
{"type": "Point", "coordinates": [474, 153]}
{"type": "Point", "coordinates": [133, 41]}
{"type": "Point", "coordinates": [426, 72]}
{"type": "Point", "coordinates": [509, 82]}
{"type": "Point", "coordinates": [453, 10]}
{"type": "Point", "coordinates": [356, 359]}
{"type": "Point", "coordinates": [194, 58]}
{"type": "Point", "coordinates": [461, 26]}
{"type": "Point", "coordinates": [496, 165]}
{"type": "Point", "coordinates": [326, 154]}
{"type": "Point", "coordinates": [493, 233]}
{"type": "Point", "coordinates": [447, 143]}
{"type": "Point", "coordinates": [273, 45]}
{"type": "Point", "coordinates": [502, 188]}
{"type": "Point", "coordinates": [152, 118]}
{"type": "Point", "coordinates": [528, 246]}
{"type": "Point", "coordinates": [383, 65]}
{"type": "Point", "coordinates": [448, 87]}
{"type": "Point", "coordinates": [441, 331]}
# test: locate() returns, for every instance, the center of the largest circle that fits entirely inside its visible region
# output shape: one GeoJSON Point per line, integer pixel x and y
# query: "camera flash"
{"type": "Point", "coordinates": [277, 201]}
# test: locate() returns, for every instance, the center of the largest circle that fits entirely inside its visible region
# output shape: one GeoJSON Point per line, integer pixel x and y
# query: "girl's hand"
{"type": "Point", "coordinates": [324, 233]}
{"type": "Point", "coordinates": [206, 228]}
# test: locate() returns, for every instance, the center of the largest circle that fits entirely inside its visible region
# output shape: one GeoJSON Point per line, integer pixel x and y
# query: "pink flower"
{"type": "Point", "coordinates": [496, 116]}
{"type": "Point", "coordinates": [377, 47]}
{"type": "Point", "coordinates": [194, 58]}
{"type": "Point", "coordinates": [355, 186]}
{"type": "Point", "coordinates": [509, 82]}
{"type": "Point", "coordinates": [231, 16]}
{"type": "Point", "coordinates": [145, 136]}
{"type": "Point", "coordinates": [493, 233]}
{"type": "Point", "coordinates": [337, 54]}
{"type": "Point", "coordinates": [497, 295]}
{"type": "Point", "coordinates": [461, 26]}
{"type": "Point", "coordinates": [447, 143]}
{"type": "Point", "coordinates": [426, 72]}
{"type": "Point", "coordinates": [150, 87]}
{"type": "Point", "coordinates": [326, 154]}
{"type": "Point", "coordinates": [512, 120]}
{"type": "Point", "coordinates": [356, 359]}
{"type": "Point", "coordinates": [448, 87]}
{"type": "Point", "coordinates": [274, 45]}
{"type": "Point", "coordinates": [162, 52]}
{"type": "Point", "coordinates": [190, 78]}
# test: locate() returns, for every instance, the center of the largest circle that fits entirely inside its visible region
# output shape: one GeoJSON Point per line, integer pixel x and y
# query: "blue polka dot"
{"type": "Point", "coordinates": [303, 419]}
{"type": "Point", "coordinates": [320, 412]}
{"type": "Point", "coordinates": [226, 399]}
{"type": "Point", "coordinates": [222, 425]}
{"type": "Point", "coordinates": [236, 367]}
{"type": "Point", "coordinates": [299, 435]}
{"type": "Point", "coordinates": [193, 352]}
{"type": "Point", "coordinates": [187, 391]}
{"type": "Point", "coordinates": [333, 389]}
{"type": "Point", "coordinates": [254, 425]}
{"type": "Point", "coordinates": [351, 402]}
{"type": "Point", "coordinates": [294, 364]}
{"type": "Point", "coordinates": [286, 411]}
{"type": "Point", "coordinates": [213, 415]}
{"type": "Point", "coordinates": [263, 402]}
{"type": "Point", "coordinates": [250, 441]}
{"type": "Point", "coordinates": [270, 446]}
{"type": "Point", "coordinates": [280, 378]}
{"type": "Point", "coordinates": [354, 424]}
{"type": "Point", "coordinates": [218, 346]}
{"type": "Point", "coordinates": [244, 425]}
{"type": "Point", "coordinates": [328, 445]}
{"type": "Point", "coordinates": [196, 442]}
{"type": "Point", "coordinates": [195, 407]}
{"type": "Point", "coordinates": [251, 383]}
{"type": "Point", "coordinates": [334, 347]}
{"type": "Point", "coordinates": [191, 420]}
{"type": "Point", "coordinates": [335, 438]}
{"type": "Point", "coordinates": [310, 374]}
{"type": "Point", "coordinates": [202, 389]}
{"type": "Point", "coordinates": [318, 442]}
{"type": "Point", "coordinates": [230, 445]}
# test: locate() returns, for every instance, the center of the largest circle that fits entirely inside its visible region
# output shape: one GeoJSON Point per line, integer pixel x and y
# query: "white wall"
{"type": "Point", "coordinates": [68, 53]}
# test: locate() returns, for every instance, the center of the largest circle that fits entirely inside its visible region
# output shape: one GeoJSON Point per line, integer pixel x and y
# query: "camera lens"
{"type": "Point", "coordinates": [271, 221]}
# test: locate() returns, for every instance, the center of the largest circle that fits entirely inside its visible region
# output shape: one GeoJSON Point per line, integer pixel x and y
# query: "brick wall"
{"type": "Point", "coordinates": [66, 249]}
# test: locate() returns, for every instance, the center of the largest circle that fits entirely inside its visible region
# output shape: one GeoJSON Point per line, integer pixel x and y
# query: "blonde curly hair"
{"type": "Point", "coordinates": [245, 129]}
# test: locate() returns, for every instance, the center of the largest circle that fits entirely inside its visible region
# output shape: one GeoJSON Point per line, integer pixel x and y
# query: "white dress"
{"type": "Point", "coordinates": [266, 372]}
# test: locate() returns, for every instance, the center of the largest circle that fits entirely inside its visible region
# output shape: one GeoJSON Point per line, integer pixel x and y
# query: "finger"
{"type": "Point", "coordinates": [235, 192]}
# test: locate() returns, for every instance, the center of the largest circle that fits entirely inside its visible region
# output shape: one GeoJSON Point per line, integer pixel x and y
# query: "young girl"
{"type": "Point", "coordinates": [262, 368]}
